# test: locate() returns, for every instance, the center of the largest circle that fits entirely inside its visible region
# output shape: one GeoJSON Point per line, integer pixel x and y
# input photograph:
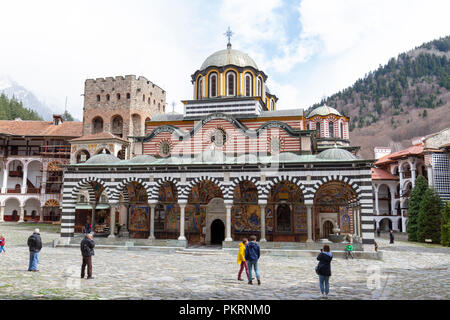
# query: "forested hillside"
{"type": "Point", "coordinates": [11, 109]}
{"type": "Point", "coordinates": [406, 98]}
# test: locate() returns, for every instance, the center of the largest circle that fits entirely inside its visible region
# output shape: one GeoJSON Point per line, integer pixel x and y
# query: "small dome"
{"type": "Point", "coordinates": [228, 56]}
{"type": "Point", "coordinates": [102, 158]}
{"type": "Point", "coordinates": [336, 154]}
{"type": "Point", "coordinates": [324, 111]}
{"type": "Point", "coordinates": [144, 158]}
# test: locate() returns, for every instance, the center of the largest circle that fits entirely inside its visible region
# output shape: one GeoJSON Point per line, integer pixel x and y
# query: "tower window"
{"type": "Point", "coordinates": [213, 85]}
{"type": "Point", "coordinates": [231, 77]}
{"type": "Point", "coordinates": [98, 97]}
{"type": "Point", "coordinates": [118, 96]}
{"type": "Point", "coordinates": [107, 97]}
{"type": "Point", "coordinates": [128, 95]}
{"type": "Point", "coordinates": [331, 129]}
{"type": "Point", "coordinates": [199, 88]}
{"type": "Point", "coordinates": [318, 128]}
{"type": "Point", "coordinates": [97, 125]}
{"type": "Point", "coordinates": [248, 85]}
{"type": "Point", "coordinates": [259, 87]}
{"type": "Point", "coordinates": [342, 130]}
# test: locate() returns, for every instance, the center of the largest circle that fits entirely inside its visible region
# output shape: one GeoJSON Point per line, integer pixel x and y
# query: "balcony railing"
{"type": "Point", "coordinates": [16, 174]}
{"type": "Point", "coordinates": [16, 190]}
{"type": "Point", "coordinates": [33, 190]}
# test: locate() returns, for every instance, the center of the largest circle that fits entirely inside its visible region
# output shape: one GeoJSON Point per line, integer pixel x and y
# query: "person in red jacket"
{"type": "Point", "coordinates": [2, 244]}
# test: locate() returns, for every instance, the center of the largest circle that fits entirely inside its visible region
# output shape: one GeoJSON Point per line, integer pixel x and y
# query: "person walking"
{"type": "Point", "coordinates": [2, 244]}
{"type": "Point", "coordinates": [35, 246]}
{"type": "Point", "coordinates": [241, 259]}
{"type": "Point", "coordinates": [391, 237]}
{"type": "Point", "coordinates": [349, 250]}
{"type": "Point", "coordinates": [87, 228]}
{"type": "Point", "coordinates": [87, 251]}
{"type": "Point", "coordinates": [323, 269]}
{"type": "Point", "coordinates": [252, 253]}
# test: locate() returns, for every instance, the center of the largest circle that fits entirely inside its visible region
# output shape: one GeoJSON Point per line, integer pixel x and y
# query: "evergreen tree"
{"type": "Point", "coordinates": [429, 220]}
{"type": "Point", "coordinates": [445, 229]}
{"type": "Point", "coordinates": [67, 116]}
{"type": "Point", "coordinates": [417, 193]}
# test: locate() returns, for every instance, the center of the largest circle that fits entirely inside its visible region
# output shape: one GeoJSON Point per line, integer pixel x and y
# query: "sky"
{"type": "Point", "coordinates": [309, 49]}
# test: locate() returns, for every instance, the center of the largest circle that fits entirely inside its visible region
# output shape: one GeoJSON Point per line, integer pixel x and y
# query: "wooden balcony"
{"type": "Point", "coordinates": [33, 190]}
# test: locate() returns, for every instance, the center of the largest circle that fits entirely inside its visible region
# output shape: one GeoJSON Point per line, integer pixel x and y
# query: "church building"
{"type": "Point", "coordinates": [230, 166]}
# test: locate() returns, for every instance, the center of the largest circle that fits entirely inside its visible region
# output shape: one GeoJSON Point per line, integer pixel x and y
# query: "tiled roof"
{"type": "Point", "coordinates": [411, 151]}
{"type": "Point", "coordinates": [380, 174]}
{"type": "Point", "coordinates": [98, 136]}
{"type": "Point", "coordinates": [40, 128]}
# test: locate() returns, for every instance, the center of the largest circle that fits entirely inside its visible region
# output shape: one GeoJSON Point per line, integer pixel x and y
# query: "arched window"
{"type": "Point", "coordinates": [118, 96]}
{"type": "Point", "coordinates": [331, 129]}
{"type": "Point", "coordinates": [318, 129]}
{"type": "Point", "coordinates": [107, 97]}
{"type": "Point", "coordinates": [248, 85]}
{"type": "Point", "coordinates": [98, 97]}
{"type": "Point", "coordinates": [128, 95]}
{"type": "Point", "coordinates": [199, 88]}
{"type": "Point", "coordinates": [259, 85]}
{"type": "Point", "coordinates": [342, 130]}
{"type": "Point", "coordinates": [143, 97]}
{"type": "Point", "coordinates": [117, 126]}
{"type": "Point", "coordinates": [213, 85]}
{"type": "Point", "coordinates": [97, 125]}
{"type": "Point", "coordinates": [231, 84]}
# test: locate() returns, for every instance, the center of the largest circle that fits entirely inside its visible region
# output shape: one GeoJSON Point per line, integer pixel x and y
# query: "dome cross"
{"type": "Point", "coordinates": [229, 34]}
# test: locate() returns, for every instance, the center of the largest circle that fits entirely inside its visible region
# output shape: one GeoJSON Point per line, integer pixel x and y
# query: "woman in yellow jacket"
{"type": "Point", "coordinates": [241, 258]}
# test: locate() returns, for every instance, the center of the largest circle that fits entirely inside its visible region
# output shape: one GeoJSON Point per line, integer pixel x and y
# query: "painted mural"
{"type": "Point", "coordinates": [139, 218]}
{"type": "Point", "coordinates": [137, 193]}
{"type": "Point", "coordinates": [345, 218]}
{"type": "Point", "coordinates": [195, 215]}
{"type": "Point", "coordinates": [245, 214]}
{"type": "Point", "coordinates": [168, 193]}
{"type": "Point", "coordinates": [172, 212]}
{"type": "Point", "coordinates": [203, 192]}
{"type": "Point", "coordinates": [285, 191]}
{"type": "Point", "coordinates": [245, 218]}
{"type": "Point", "coordinates": [300, 223]}
{"type": "Point", "coordinates": [334, 193]}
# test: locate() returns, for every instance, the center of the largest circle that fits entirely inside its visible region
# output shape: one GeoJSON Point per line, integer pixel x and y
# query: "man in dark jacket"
{"type": "Point", "coordinates": [87, 251]}
{"type": "Point", "coordinates": [252, 253]}
{"type": "Point", "coordinates": [391, 237]}
{"type": "Point", "coordinates": [35, 245]}
{"type": "Point", "coordinates": [324, 269]}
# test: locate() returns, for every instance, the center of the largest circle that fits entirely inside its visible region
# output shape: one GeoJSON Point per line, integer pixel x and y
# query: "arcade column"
{"type": "Point", "coordinates": [228, 220]}
{"type": "Point", "coordinates": [182, 207]}
{"type": "Point", "coordinates": [152, 221]}
{"type": "Point", "coordinates": [309, 222]}
{"type": "Point", "coordinates": [263, 222]}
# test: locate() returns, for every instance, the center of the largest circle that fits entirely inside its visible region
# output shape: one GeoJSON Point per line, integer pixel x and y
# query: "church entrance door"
{"type": "Point", "coordinates": [217, 232]}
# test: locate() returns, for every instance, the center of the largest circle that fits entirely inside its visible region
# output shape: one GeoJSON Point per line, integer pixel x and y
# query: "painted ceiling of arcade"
{"type": "Point", "coordinates": [334, 193]}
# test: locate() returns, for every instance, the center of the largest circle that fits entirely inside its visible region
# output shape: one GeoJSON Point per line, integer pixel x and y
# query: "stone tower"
{"type": "Point", "coordinates": [120, 105]}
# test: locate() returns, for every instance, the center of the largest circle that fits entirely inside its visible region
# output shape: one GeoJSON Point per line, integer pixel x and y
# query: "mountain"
{"type": "Point", "coordinates": [409, 97]}
{"type": "Point", "coordinates": [29, 100]}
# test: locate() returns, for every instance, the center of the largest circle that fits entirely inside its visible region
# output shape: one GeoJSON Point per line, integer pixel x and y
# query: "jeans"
{"type": "Point", "coordinates": [34, 259]}
{"type": "Point", "coordinates": [2, 248]}
{"type": "Point", "coordinates": [324, 284]}
{"type": "Point", "coordinates": [243, 265]}
{"type": "Point", "coordinates": [255, 265]}
{"type": "Point", "coordinates": [347, 253]}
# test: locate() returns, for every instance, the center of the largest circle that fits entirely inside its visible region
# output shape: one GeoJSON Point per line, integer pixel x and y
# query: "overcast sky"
{"type": "Point", "coordinates": [309, 49]}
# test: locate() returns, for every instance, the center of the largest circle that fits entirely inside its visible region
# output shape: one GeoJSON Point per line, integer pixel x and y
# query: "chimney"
{"type": "Point", "coordinates": [57, 119]}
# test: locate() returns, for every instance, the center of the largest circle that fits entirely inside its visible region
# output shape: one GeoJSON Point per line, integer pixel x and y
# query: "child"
{"type": "Point", "coordinates": [241, 258]}
{"type": "Point", "coordinates": [2, 243]}
{"type": "Point", "coordinates": [349, 250]}
{"type": "Point", "coordinates": [252, 254]}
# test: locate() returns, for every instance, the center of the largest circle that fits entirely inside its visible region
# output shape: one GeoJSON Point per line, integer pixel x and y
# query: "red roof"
{"type": "Point", "coordinates": [380, 174]}
{"type": "Point", "coordinates": [411, 151]}
{"type": "Point", "coordinates": [41, 128]}
{"type": "Point", "coordinates": [98, 136]}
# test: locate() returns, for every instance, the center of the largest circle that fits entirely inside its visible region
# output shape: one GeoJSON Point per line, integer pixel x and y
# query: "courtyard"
{"type": "Point", "coordinates": [407, 271]}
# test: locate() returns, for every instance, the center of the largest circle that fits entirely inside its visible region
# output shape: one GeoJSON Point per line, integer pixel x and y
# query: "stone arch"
{"type": "Point", "coordinates": [339, 178]}
{"type": "Point", "coordinates": [187, 190]}
{"type": "Point", "coordinates": [270, 184]}
{"type": "Point", "coordinates": [121, 187]}
{"type": "Point", "coordinates": [11, 198]}
{"type": "Point", "coordinates": [87, 184]}
{"type": "Point", "coordinates": [81, 152]}
{"type": "Point", "coordinates": [235, 182]}
{"type": "Point", "coordinates": [155, 192]}
{"type": "Point", "coordinates": [117, 125]}
{"type": "Point", "coordinates": [97, 125]}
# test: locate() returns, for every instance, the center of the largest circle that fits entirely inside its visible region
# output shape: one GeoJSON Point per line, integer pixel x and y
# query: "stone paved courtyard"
{"type": "Point", "coordinates": [408, 271]}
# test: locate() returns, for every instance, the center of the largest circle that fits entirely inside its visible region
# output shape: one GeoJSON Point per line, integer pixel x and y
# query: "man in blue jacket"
{"type": "Point", "coordinates": [251, 256]}
{"type": "Point", "coordinates": [35, 245]}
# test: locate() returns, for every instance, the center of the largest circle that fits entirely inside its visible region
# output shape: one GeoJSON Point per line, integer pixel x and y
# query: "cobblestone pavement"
{"type": "Point", "coordinates": [414, 273]}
